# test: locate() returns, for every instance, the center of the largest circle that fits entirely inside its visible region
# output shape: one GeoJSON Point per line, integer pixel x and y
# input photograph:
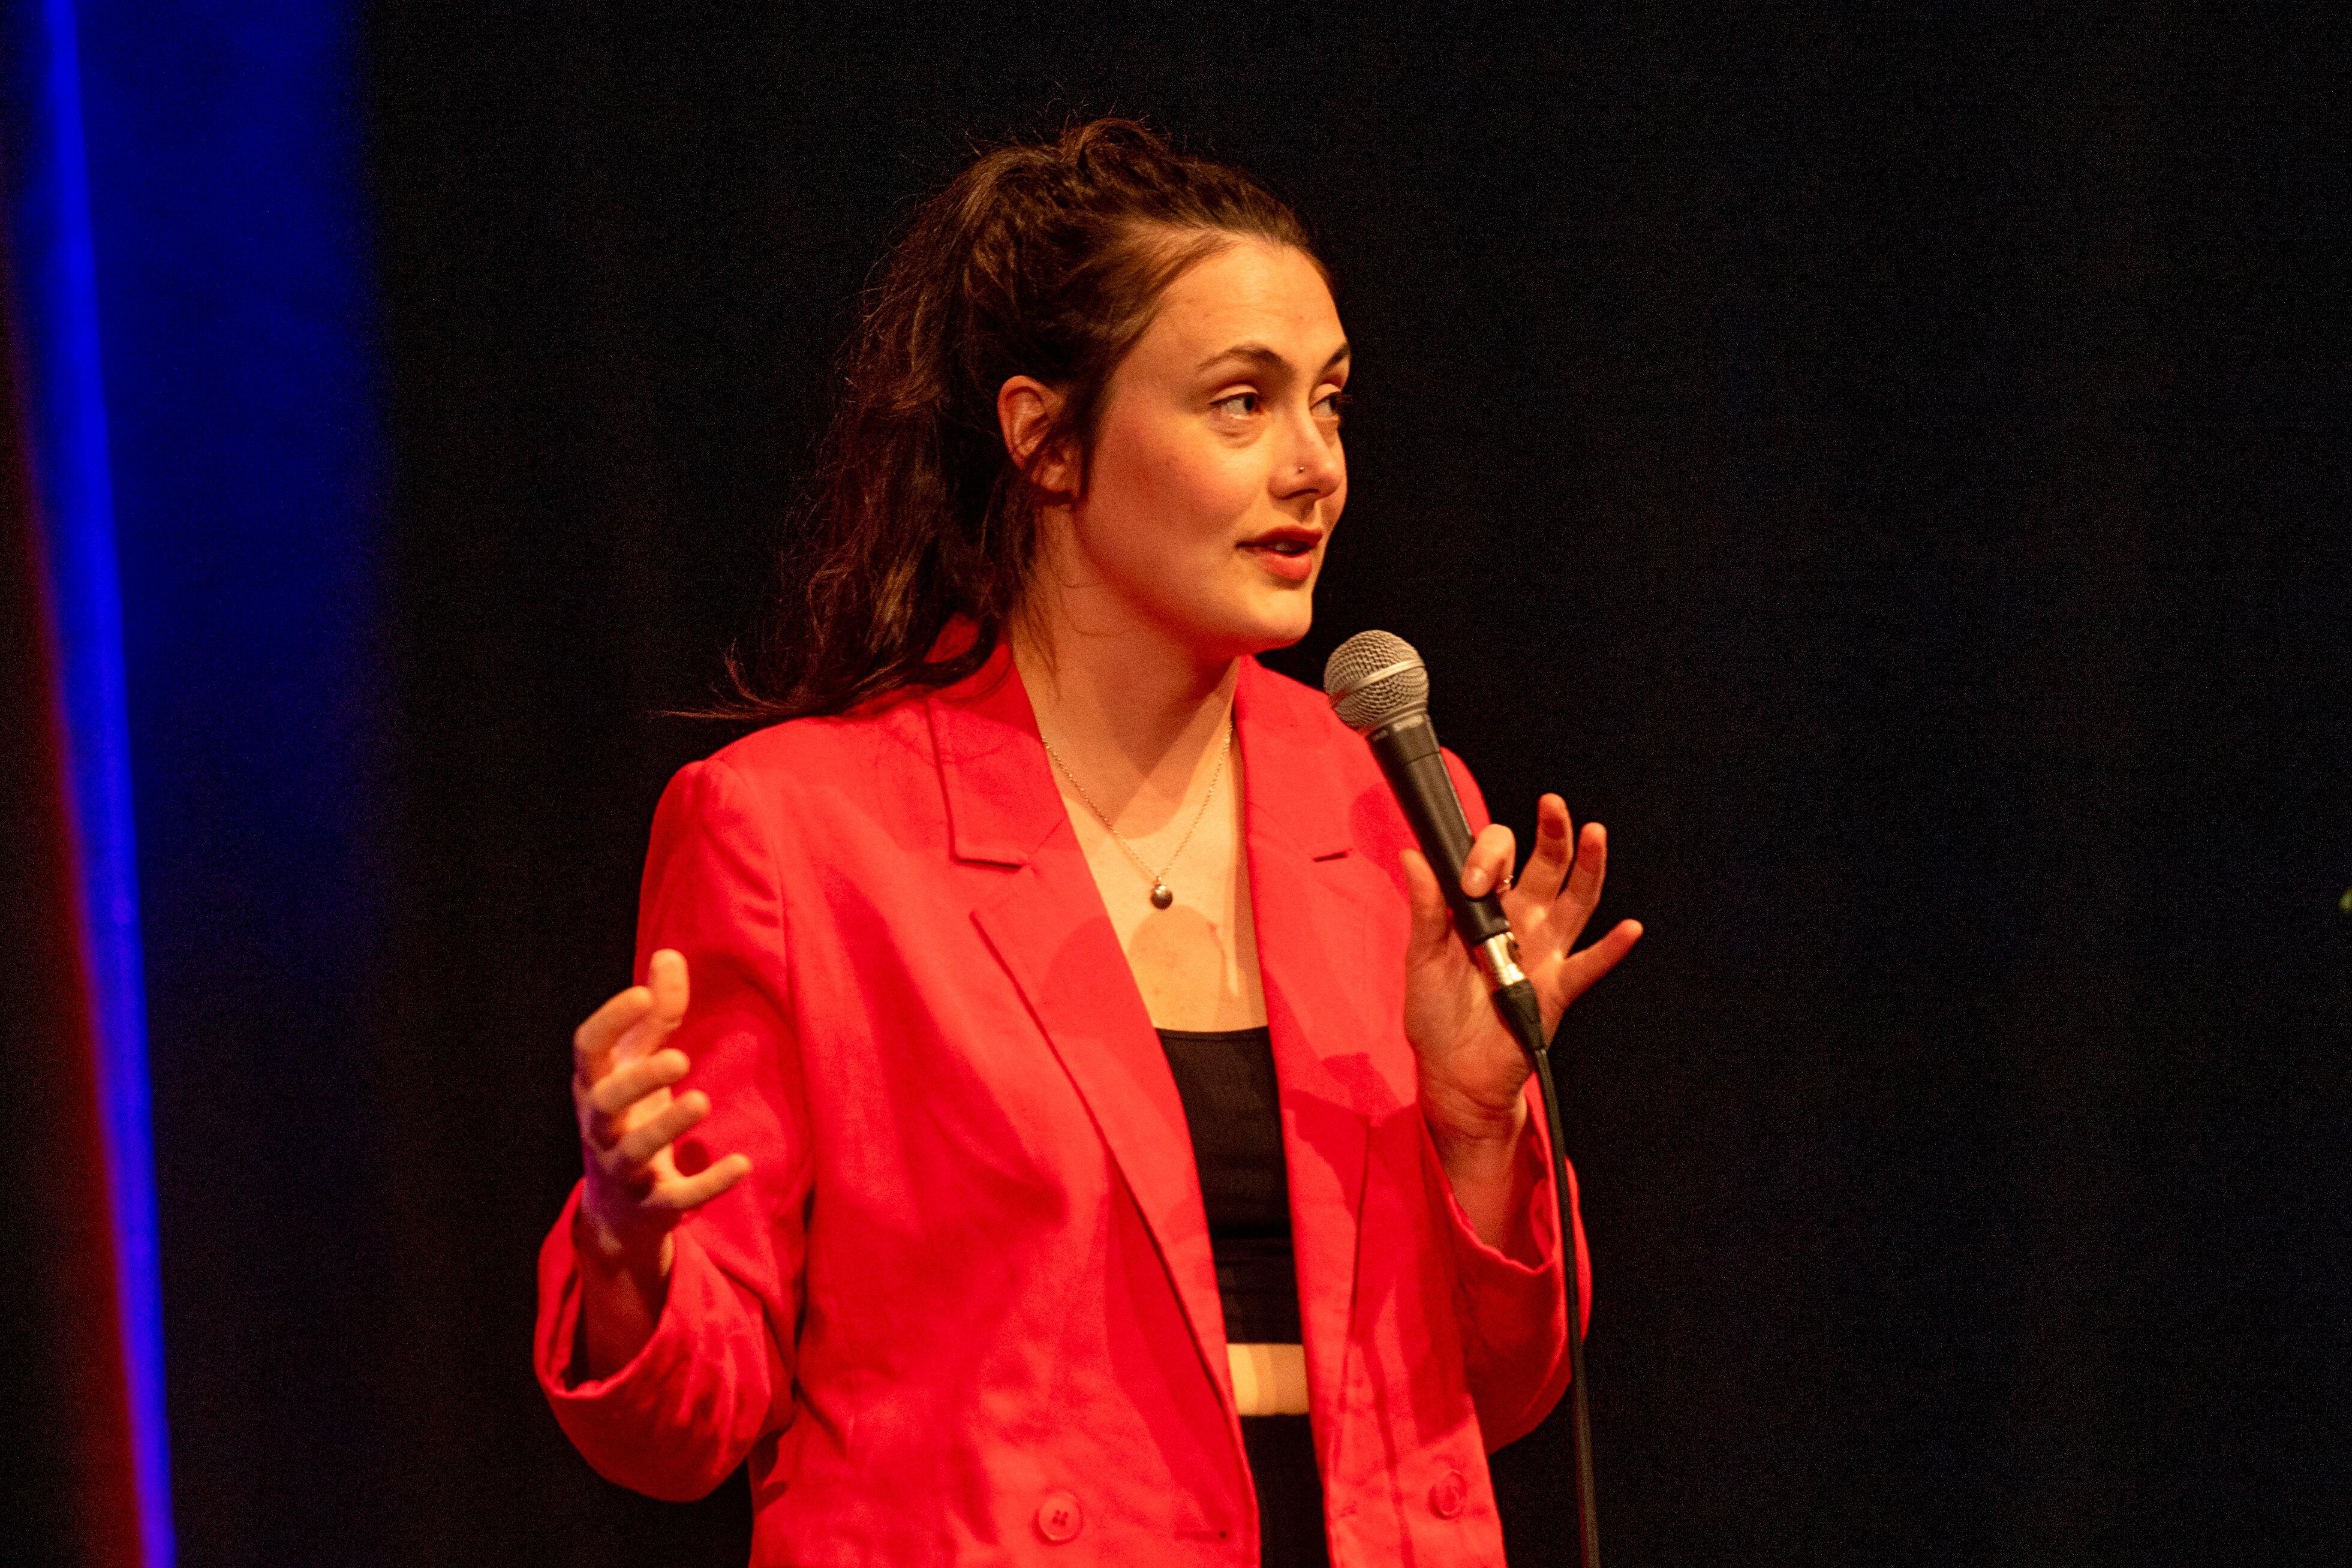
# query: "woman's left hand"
{"type": "Point", "coordinates": [1472, 1069]}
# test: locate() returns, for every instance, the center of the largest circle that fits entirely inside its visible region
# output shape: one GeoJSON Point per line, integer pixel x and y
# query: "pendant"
{"type": "Point", "coordinates": [1160, 897]}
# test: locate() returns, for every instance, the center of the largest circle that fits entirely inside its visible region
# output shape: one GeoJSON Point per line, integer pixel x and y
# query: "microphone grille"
{"type": "Point", "coordinates": [1375, 678]}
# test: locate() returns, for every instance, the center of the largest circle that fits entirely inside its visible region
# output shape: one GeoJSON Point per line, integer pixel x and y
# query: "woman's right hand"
{"type": "Point", "coordinates": [635, 1195]}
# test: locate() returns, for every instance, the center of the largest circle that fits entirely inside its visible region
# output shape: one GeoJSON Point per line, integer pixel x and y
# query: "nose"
{"type": "Point", "coordinates": [1312, 465]}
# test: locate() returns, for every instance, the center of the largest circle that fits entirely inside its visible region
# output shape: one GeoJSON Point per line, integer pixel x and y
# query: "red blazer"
{"type": "Point", "coordinates": [964, 1308]}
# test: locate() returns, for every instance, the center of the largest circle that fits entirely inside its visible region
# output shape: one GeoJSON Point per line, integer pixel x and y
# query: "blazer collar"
{"type": "Point", "coordinates": [1002, 804]}
{"type": "Point", "coordinates": [1292, 782]}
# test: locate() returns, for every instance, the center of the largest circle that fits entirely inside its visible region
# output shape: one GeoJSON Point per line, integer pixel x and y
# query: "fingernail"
{"type": "Point", "coordinates": [1475, 881]}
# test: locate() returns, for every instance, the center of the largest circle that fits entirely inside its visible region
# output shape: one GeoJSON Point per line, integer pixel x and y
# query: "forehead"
{"type": "Point", "coordinates": [1248, 292]}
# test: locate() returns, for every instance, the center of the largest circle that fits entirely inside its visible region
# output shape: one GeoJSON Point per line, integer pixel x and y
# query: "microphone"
{"type": "Point", "coordinates": [1379, 688]}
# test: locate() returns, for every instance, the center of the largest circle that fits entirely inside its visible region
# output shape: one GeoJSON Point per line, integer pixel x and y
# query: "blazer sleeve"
{"type": "Point", "coordinates": [716, 1376]}
{"type": "Point", "coordinates": [1514, 1309]}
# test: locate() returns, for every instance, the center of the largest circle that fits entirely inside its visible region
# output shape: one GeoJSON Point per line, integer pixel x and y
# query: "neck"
{"type": "Point", "coordinates": [1130, 711]}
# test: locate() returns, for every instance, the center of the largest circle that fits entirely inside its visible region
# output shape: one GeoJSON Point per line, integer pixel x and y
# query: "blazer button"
{"type": "Point", "coordinates": [1058, 1519]}
{"type": "Point", "coordinates": [1445, 1497]}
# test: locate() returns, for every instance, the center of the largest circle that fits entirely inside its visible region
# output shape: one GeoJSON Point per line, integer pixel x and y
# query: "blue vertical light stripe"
{"type": "Point", "coordinates": [209, 473]}
{"type": "Point", "coordinates": [73, 480]}
{"type": "Point", "coordinates": [227, 150]}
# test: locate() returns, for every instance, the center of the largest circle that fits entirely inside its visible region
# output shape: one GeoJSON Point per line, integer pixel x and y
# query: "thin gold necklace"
{"type": "Point", "coordinates": [1161, 896]}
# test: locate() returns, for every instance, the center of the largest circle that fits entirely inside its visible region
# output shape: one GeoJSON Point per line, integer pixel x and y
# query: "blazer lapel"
{"type": "Point", "coordinates": [1312, 953]}
{"type": "Point", "coordinates": [1049, 930]}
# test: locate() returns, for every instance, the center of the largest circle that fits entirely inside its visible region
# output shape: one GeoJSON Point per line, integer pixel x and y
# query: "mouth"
{"type": "Point", "coordinates": [1285, 541]}
{"type": "Point", "coordinates": [1287, 554]}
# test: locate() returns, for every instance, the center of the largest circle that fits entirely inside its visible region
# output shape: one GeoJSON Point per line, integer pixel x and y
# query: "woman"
{"type": "Point", "coordinates": [907, 1204]}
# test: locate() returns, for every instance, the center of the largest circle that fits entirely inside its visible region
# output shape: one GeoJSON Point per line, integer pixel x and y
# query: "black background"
{"type": "Point", "coordinates": [1890, 468]}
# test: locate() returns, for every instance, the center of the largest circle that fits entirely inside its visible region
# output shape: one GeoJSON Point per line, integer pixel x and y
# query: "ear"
{"type": "Point", "coordinates": [1026, 408]}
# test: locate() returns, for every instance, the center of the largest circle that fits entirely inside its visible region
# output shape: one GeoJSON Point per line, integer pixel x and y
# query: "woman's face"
{"type": "Point", "coordinates": [1217, 473]}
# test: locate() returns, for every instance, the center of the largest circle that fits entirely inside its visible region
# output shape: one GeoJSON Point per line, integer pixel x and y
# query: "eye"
{"type": "Point", "coordinates": [1332, 404]}
{"type": "Point", "coordinates": [1240, 405]}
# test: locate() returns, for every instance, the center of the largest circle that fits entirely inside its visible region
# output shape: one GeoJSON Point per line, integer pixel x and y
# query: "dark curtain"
{"type": "Point", "coordinates": [1889, 465]}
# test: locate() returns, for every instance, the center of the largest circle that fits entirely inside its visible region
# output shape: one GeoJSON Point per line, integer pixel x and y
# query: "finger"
{"type": "Point", "coordinates": [1432, 920]}
{"type": "Point", "coordinates": [1582, 969]}
{"type": "Point", "coordinates": [665, 984]}
{"type": "Point", "coordinates": [690, 1192]}
{"type": "Point", "coordinates": [1591, 871]}
{"type": "Point", "coordinates": [596, 1035]}
{"type": "Point", "coordinates": [649, 1137]}
{"type": "Point", "coordinates": [1555, 851]}
{"type": "Point", "coordinates": [604, 1133]}
{"type": "Point", "coordinates": [633, 1081]}
{"type": "Point", "coordinates": [1491, 856]}
{"type": "Point", "coordinates": [666, 978]}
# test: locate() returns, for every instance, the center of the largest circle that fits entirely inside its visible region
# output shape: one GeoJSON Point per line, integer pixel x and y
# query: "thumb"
{"type": "Point", "coordinates": [1433, 922]}
{"type": "Point", "coordinates": [666, 978]}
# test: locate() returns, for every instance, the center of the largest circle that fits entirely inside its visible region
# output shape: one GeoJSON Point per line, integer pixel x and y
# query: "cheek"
{"type": "Point", "coordinates": [1201, 478]}
{"type": "Point", "coordinates": [1164, 494]}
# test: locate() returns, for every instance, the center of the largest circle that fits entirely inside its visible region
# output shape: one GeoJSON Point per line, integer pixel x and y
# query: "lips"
{"type": "Point", "coordinates": [1287, 552]}
{"type": "Point", "coordinates": [1291, 541]}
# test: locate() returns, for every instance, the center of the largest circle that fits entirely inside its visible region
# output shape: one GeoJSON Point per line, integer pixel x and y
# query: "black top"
{"type": "Point", "coordinates": [1226, 1082]}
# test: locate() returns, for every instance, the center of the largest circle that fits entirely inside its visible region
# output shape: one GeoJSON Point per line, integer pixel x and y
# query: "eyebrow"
{"type": "Point", "coordinates": [1266, 358]}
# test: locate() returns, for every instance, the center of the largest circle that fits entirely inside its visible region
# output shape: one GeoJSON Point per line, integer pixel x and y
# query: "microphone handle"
{"type": "Point", "coordinates": [1409, 754]}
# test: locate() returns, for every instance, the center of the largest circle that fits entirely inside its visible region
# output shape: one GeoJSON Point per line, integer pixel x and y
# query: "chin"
{"type": "Point", "coordinates": [1279, 624]}
{"type": "Point", "coordinates": [1293, 628]}
{"type": "Point", "coordinates": [1253, 618]}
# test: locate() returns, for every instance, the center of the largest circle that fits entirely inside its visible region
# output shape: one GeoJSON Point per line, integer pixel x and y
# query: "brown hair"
{"type": "Point", "coordinates": [1044, 261]}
